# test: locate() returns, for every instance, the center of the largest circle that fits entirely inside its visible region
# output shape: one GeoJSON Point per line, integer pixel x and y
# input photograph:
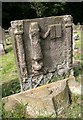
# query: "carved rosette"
{"type": "Point", "coordinates": [69, 44]}
{"type": "Point", "coordinates": [17, 27]}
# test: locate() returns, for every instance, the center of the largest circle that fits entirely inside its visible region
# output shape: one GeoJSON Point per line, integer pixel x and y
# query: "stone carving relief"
{"type": "Point", "coordinates": [48, 49]}
{"type": "Point", "coordinates": [36, 53]}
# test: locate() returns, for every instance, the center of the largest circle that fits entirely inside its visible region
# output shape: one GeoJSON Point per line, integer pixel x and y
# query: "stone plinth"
{"type": "Point", "coordinates": [50, 99]}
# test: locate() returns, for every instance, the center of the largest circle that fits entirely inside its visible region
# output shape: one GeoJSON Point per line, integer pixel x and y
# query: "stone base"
{"type": "Point", "coordinates": [50, 99]}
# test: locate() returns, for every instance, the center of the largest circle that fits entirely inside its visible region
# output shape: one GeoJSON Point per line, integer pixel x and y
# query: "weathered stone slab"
{"type": "Point", "coordinates": [50, 99]}
{"type": "Point", "coordinates": [2, 41]}
{"type": "Point", "coordinates": [42, 46]}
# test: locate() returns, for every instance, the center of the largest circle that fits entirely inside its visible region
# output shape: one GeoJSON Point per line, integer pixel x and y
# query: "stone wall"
{"type": "Point", "coordinates": [43, 49]}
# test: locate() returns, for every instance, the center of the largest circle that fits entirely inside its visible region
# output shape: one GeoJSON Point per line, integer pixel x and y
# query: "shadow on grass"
{"type": "Point", "coordinates": [10, 87]}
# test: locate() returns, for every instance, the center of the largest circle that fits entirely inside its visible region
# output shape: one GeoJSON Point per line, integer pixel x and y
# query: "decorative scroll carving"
{"type": "Point", "coordinates": [17, 27]}
{"type": "Point", "coordinates": [36, 54]}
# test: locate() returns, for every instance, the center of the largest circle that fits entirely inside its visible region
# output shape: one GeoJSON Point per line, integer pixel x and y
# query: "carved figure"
{"type": "Point", "coordinates": [36, 48]}
{"type": "Point", "coordinates": [36, 55]}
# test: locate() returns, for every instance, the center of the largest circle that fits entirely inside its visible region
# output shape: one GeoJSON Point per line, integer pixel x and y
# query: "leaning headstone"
{"type": "Point", "coordinates": [81, 27]}
{"type": "Point", "coordinates": [43, 49]}
{"type": "Point", "coordinates": [78, 26]}
{"type": "Point", "coordinates": [74, 27]}
{"type": "Point", "coordinates": [2, 39]}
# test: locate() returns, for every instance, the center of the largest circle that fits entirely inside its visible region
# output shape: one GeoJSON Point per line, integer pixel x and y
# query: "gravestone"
{"type": "Point", "coordinates": [74, 28]}
{"type": "Point", "coordinates": [2, 41]}
{"type": "Point", "coordinates": [43, 49]}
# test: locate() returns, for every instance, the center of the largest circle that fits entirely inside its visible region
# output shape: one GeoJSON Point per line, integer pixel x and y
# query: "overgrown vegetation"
{"type": "Point", "coordinates": [8, 73]}
{"type": "Point", "coordinates": [19, 111]}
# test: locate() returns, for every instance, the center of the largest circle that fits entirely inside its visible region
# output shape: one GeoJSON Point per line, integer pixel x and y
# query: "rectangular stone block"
{"type": "Point", "coordinates": [46, 100]}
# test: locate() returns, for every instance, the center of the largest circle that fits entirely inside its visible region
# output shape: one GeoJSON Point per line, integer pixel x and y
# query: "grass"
{"type": "Point", "coordinates": [7, 63]}
{"type": "Point", "coordinates": [8, 73]}
{"type": "Point", "coordinates": [73, 111]}
{"type": "Point", "coordinates": [19, 111]}
{"type": "Point", "coordinates": [78, 70]}
{"type": "Point", "coordinates": [78, 42]}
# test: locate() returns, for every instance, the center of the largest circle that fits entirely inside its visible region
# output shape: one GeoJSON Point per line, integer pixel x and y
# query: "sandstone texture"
{"type": "Point", "coordinates": [50, 99]}
{"type": "Point", "coordinates": [43, 49]}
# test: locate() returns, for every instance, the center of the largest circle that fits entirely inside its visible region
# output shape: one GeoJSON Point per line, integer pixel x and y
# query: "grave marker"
{"type": "Point", "coordinates": [43, 49]}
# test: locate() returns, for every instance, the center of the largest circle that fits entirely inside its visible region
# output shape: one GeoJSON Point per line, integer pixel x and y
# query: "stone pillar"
{"type": "Point", "coordinates": [17, 27]}
{"type": "Point", "coordinates": [69, 42]}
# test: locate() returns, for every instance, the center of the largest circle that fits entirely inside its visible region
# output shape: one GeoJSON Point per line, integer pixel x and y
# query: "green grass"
{"type": "Point", "coordinates": [19, 111]}
{"type": "Point", "coordinates": [73, 111]}
{"type": "Point", "coordinates": [78, 42]}
{"type": "Point", "coordinates": [8, 73]}
{"type": "Point", "coordinates": [11, 87]}
{"type": "Point", "coordinates": [8, 65]}
{"type": "Point", "coordinates": [78, 70]}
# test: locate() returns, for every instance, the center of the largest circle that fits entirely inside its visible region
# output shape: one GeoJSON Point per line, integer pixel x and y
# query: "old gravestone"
{"type": "Point", "coordinates": [2, 41]}
{"type": "Point", "coordinates": [43, 49]}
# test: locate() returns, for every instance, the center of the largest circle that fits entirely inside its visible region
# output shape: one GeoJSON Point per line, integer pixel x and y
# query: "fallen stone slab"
{"type": "Point", "coordinates": [50, 99]}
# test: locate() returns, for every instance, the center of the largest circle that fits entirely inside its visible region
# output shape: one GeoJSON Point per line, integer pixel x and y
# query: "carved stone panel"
{"type": "Point", "coordinates": [44, 48]}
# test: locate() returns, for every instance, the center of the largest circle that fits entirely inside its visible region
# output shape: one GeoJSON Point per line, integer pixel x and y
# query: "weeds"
{"type": "Point", "coordinates": [19, 111]}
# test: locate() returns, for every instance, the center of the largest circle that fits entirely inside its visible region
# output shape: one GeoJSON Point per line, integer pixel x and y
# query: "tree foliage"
{"type": "Point", "coordinates": [28, 10]}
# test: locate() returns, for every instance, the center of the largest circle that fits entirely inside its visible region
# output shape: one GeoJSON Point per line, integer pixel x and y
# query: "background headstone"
{"type": "Point", "coordinates": [2, 41]}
